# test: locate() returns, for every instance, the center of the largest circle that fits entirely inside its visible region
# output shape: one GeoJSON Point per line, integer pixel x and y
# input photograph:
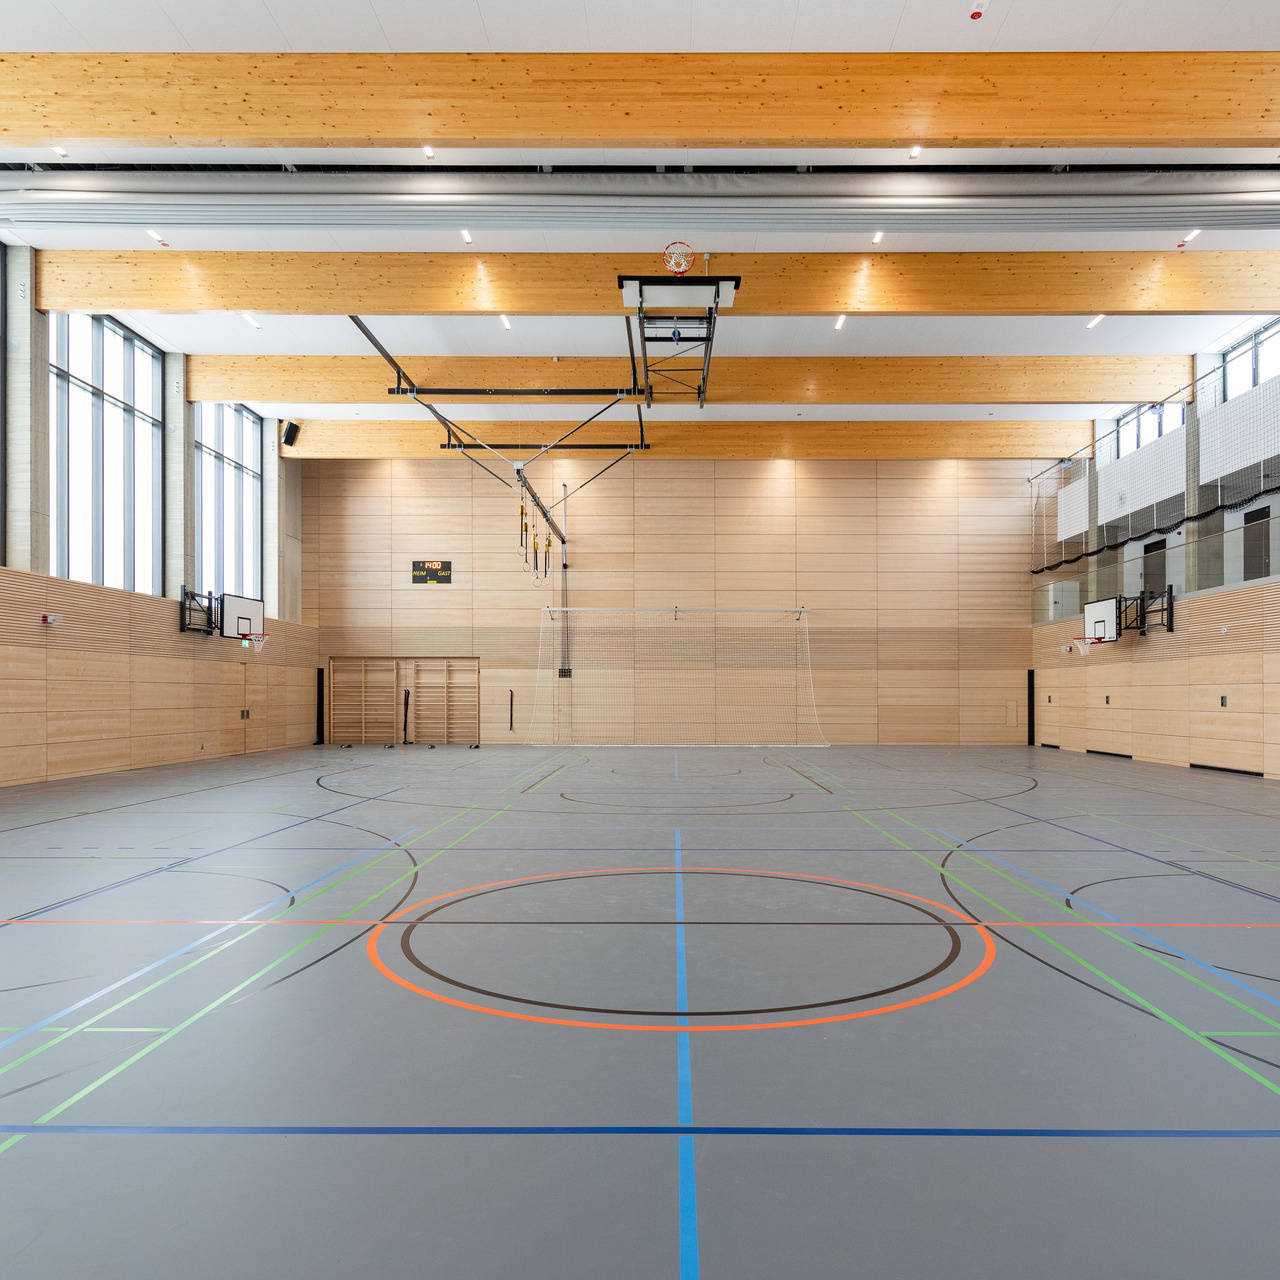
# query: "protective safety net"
{"type": "Point", "coordinates": [1211, 448]}
{"type": "Point", "coordinates": [675, 677]}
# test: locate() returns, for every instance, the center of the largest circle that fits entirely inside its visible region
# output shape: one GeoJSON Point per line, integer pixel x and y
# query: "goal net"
{"type": "Point", "coordinates": [675, 677]}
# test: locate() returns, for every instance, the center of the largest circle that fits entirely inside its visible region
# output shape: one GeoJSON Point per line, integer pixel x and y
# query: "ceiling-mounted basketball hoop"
{"type": "Point", "coordinates": [677, 257]}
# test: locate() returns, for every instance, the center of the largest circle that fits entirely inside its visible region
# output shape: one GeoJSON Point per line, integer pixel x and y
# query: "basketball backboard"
{"type": "Point", "coordinates": [242, 616]}
{"type": "Point", "coordinates": [1102, 619]}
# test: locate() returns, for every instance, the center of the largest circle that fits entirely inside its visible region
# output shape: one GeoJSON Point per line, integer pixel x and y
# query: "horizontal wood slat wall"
{"type": "Point", "coordinates": [915, 573]}
{"type": "Point", "coordinates": [115, 685]}
{"type": "Point", "coordinates": [641, 99]}
{"type": "Point", "coordinates": [397, 284]}
{"type": "Point", "coordinates": [1166, 690]}
{"type": "Point", "coordinates": [984, 438]}
{"type": "Point", "coordinates": [733, 380]}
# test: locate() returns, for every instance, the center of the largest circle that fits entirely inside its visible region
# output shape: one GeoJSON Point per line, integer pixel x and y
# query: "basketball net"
{"type": "Point", "coordinates": [677, 257]}
{"type": "Point", "coordinates": [259, 638]}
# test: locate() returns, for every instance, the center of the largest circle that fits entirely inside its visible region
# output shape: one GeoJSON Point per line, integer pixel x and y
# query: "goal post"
{"type": "Point", "coordinates": [675, 677]}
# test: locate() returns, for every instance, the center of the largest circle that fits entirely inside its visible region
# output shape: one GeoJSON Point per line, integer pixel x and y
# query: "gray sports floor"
{"type": "Point", "coordinates": [634, 1012]}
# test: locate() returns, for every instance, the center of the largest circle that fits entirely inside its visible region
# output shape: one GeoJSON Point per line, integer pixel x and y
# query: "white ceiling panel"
{"type": "Point", "coordinates": [837, 24]}
{"type": "Point", "coordinates": [420, 24]}
{"type": "Point", "coordinates": [327, 28]}
{"type": "Point", "coordinates": [603, 25]}
{"type": "Point", "coordinates": [625, 413]}
{"type": "Point", "coordinates": [228, 333]}
{"type": "Point", "coordinates": [944, 26]}
{"type": "Point", "coordinates": [228, 25]}
{"type": "Point", "coordinates": [41, 26]}
{"type": "Point", "coordinates": [515, 25]}
{"type": "Point", "coordinates": [754, 26]}
{"type": "Point", "coordinates": [637, 28]}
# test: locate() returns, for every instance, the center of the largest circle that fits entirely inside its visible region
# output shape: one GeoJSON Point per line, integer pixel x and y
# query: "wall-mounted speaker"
{"type": "Point", "coordinates": [291, 431]}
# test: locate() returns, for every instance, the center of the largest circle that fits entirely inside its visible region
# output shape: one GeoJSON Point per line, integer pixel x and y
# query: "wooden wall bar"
{"type": "Point", "coordinates": [115, 685]}
{"type": "Point", "coordinates": [641, 99]}
{"type": "Point", "coordinates": [914, 572]}
{"type": "Point", "coordinates": [984, 438]}
{"type": "Point", "coordinates": [462, 283]}
{"type": "Point", "coordinates": [1166, 690]}
{"type": "Point", "coordinates": [734, 379]}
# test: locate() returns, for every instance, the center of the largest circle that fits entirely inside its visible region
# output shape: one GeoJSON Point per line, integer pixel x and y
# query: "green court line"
{"type": "Point", "coordinates": [555, 755]}
{"type": "Point", "coordinates": [1220, 1052]}
{"type": "Point", "coordinates": [1235, 1035]}
{"type": "Point", "coordinates": [974, 856]}
{"type": "Point", "coordinates": [1110, 931]}
{"type": "Point", "coordinates": [108, 1076]}
{"type": "Point", "coordinates": [133, 1029]}
{"type": "Point", "coordinates": [1191, 844]}
{"type": "Point", "coordinates": [549, 776]}
{"type": "Point", "coordinates": [248, 932]}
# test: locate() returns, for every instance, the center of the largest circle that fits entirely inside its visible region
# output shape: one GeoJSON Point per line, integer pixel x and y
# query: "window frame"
{"type": "Point", "coordinates": [227, 454]}
{"type": "Point", "coordinates": [66, 386]}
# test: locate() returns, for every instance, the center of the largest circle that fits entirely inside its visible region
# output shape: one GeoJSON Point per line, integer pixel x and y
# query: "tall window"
{"type": "Point", "coordinates": [1251, 361]}
{"type": "Point", "coordinates": [228, 500]}
{"type": "Point", "coordinates": [106, 435]}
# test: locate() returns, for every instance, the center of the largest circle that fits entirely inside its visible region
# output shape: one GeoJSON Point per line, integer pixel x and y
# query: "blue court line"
{"type": "Point", "coordinates": [686, 1169]}
{"type": "Point", "coordinates": [185, 862]}
{"type": "Point", "coordinates": [607, 1130]}
{"type": "Point", "coordinates": [1142, 933]}
{"type": "Point", "coordinates": [191, 946]}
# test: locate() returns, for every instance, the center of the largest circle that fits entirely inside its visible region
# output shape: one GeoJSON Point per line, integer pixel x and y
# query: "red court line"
{"type": "Point", "coordinates": [988, 957]}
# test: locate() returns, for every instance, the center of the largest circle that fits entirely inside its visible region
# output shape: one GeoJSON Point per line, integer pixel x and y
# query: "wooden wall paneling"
{"type": "Point", "coordinates": [917, 601]}
{"type": "Point", "coordinates": [1043, 283]}
{"type": "Point", "coordinates": [737, 379]}
{"type": "Point", "coordinates": [1045, 99]}
{"type": "Point", "coordinates": [875, 548]}
{"type": "Point", "coordinates": [22, 710]}
{"type": "Point", "coordinates": [115, 684]}
{"type": "Point", "coordinates": [1271, 712]}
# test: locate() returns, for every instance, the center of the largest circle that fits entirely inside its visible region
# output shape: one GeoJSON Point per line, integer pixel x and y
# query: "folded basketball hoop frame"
{"type": "Point", "coordinates": [678, 312]}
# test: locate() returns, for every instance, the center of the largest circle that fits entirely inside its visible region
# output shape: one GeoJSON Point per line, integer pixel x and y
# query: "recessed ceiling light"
{"type": "Point", "coordinates": [156, 236]}
{"type": "Point", "coordinates": [879, 235]}
{"type": "Point", "coordinates": [840, 319]}
{"type": "Point", "coordinates": [248, 319]}
{"type": "Point", "coordinates": [1191, 235]}
{"type": "Point", "coordinates": [428, 152]}
{"type": "Point", "coordinates": [1096, 321]}
{"type": "Point", "coordinates": [506, 324]}
{"type": "Point", "coordinates": [60, 152]}
{"type": "Point", "coordinates": [915, 151]}
{"type": "Point", "coordinates": [466, 236]}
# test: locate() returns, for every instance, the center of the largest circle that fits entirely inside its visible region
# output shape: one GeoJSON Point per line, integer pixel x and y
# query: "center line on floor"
{"type": "Point", "coordinates": [687, 1171]}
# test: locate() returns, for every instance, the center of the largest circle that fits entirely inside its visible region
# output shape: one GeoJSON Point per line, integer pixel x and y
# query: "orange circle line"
{"type": "Point", "coordinates": [371, 947]}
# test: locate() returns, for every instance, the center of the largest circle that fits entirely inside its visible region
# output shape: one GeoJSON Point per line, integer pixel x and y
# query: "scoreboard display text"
{"type": "Point", "coordinates": [429, 571]}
